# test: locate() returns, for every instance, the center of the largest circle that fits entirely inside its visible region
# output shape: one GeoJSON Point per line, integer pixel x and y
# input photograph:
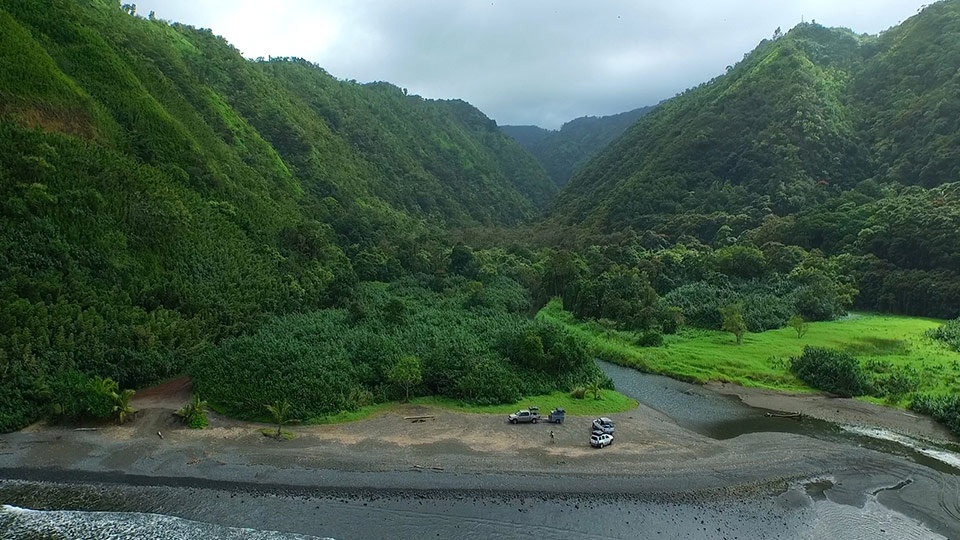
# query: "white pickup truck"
{"type": "Point", "coordinates": [525, 416]}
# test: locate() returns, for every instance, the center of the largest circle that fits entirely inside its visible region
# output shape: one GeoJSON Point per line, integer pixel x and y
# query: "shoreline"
{"type": "Point", "coordinates": [471, 460]}
{"type": "Point", "coordinates": [648, 445]}
{"type": "Point", "coordinates": [840, 411]}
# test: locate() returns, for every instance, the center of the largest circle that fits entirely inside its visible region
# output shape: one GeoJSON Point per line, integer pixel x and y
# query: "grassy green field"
{"type": "Point", "coordinates": [610, 402]}
{"type": "Point", "coordinates": [880, 342]}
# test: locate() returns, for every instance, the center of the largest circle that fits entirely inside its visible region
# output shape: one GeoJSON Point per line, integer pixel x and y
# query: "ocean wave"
{"type": "Point", "coordinates": [27, 524]}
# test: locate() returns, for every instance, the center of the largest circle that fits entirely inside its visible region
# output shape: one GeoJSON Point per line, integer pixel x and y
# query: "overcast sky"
{"type": "Point", "coordinates": [540, 62]}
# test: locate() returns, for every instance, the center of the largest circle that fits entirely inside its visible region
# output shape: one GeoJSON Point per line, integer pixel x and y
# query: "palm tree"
{"type": "Point", "coordinates": [194, 413]}
{"type": "Point", "coordinates": [280, 414]}
{"type": "Point", "coordinates": [594, 388]}
{"type": "Point", "coordinates": [121, 404]}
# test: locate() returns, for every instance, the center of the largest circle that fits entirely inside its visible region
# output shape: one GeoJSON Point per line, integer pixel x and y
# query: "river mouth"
{"type": "Point", "coordinates": [724, 417]}
{"type": "Point", "coordinates": [855, 495]}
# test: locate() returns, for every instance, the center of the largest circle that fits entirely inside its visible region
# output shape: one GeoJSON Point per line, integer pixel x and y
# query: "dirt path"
{"type": "Point", "coordinates": [172, 394]}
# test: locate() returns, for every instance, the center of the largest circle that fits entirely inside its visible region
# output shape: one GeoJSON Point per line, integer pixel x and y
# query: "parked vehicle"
{"type": "Point", "coordinates": [599, 441]}
{"type": "Point", "coordinates": [556, 416]}
{"type": "Point", "coordinates": [525, 416]}
{"type": "Point", "coordinates": [604, 425]}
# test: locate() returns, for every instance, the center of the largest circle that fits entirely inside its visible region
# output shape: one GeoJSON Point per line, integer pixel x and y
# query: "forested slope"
{"type": "Point", "coordinates": [169, 207]}
{"type": "Point", "coordinates": [820, 139]}
{"type": "Point", "coordinates": [159, 192]}
{"type": "Point", "coordinates": [565, 151]}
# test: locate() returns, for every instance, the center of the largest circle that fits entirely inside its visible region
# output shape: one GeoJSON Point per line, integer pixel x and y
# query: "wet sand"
{"type": "Point", "coordinates": [458, 456]}
{"type": "Point", "coordinates": [839, 411]}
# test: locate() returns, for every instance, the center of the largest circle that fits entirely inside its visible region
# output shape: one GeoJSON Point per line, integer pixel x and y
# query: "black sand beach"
{"type": "Point", "coordinates": [463, 475]}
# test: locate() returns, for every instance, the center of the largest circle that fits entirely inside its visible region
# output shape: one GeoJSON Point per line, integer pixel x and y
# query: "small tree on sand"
{"type": "Point", "coordinates": [195, 413]}
{"type": "Point", "coordinates": [121, 404]}
{"type": "Point", "coordinates": [801, 326]}
{"type": "Point", "coordinates": [280, 414]}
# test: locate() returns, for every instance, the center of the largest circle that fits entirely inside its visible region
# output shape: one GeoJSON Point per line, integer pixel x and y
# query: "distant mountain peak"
{"type": "Point", "coordinates": [563, 152]}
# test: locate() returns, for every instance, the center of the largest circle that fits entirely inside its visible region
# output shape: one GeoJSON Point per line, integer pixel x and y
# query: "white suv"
{"type": "Point", "coordinates": [599, 441]}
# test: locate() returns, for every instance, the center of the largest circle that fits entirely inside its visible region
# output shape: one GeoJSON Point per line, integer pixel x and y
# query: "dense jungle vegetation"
{"type": "Point", "coordinates": [565, 151]}
{"type": "Point", "coordinates": [161, 193]}
{"type": "Point", "coordinates": [820, 139]}
{"type": "Point", "coordinates": [169, 207]}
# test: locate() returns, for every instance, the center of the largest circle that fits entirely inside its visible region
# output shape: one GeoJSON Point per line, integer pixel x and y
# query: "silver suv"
{"type": "Point", "coordinates": [603, 425]}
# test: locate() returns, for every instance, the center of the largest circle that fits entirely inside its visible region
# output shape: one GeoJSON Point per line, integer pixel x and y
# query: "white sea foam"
{"type": "Point", "coordinates": [16, 522]}
{"type": "Point", "coordinates": [871, 521]}
{"type": "Point", "coordinates": [826, 518]}
{"type": "Point", "coordinates": [16, 509]}
{"type": "Point", "coordinates": [939, 454]}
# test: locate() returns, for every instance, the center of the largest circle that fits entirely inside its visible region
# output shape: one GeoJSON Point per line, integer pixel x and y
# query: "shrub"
{"type": "Point", "coordinates": [578, 392]}
{"type": "Point", "coordinates": [334, 362]}
{"type": "Point", "coordinates": [66, 393]}
{"type": "Point", "coordinates": [121, 405]}
{"type": "Point", "coordinates": [500, 294]}
{"type": "Point", "coordinates": [830, 370]}
{"type": "Point", "coordinates": [896, 382]}
{"type": "Point", "coordinates": [671, 320]}
{"type": "Point", "coordinates": [489, 381]}
{"type": "Point", "coordinates": [73, 396]}
{"type": "Point", "coordinates": [944, 409]}
{"type": "Point", "coordinates": [100, 397]}
{"type": "Point", "coordinates": [765, 304]}
{"type": "Point", "coordinates": [733, 321]}
{"type": "Point", "coordinates": [649, 339]}
{"type": "Point", "coordinates": [948, 333]}
{"type": "Point", "coordinates": [700, 302]}
{"type": "Point", "coordinates": [17, 406]}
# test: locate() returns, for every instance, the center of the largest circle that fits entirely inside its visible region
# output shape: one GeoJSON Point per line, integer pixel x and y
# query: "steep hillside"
{"type": "Point", "coordinates": [158, 192]}
{"type": "Point", "coordinates": [909, 93]}
{"type": "Point", "coordinates": [564, 152]}
{"type": "Point", "coordinates": [805, 115]}
{"type": "Point", "coordinates": [820, 139]}
{"type": "Point", "coordinates": [768, 136]}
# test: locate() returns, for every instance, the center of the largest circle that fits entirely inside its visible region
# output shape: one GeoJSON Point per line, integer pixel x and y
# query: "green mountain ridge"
{"type": "Point", "coordinates": [807, 113]}
{"type": "Point", "coordinates": [565, 151]}
{"type": "Point", "coordinates": [818, 138]}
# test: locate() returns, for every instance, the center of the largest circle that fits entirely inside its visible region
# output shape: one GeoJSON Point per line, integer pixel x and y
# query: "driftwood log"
{"type": "Point", "coordinates": [797, 415]}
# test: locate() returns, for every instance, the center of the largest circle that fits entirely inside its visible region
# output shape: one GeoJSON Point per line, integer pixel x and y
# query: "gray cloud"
{"type": "Point", "coordinates": [539, 62]}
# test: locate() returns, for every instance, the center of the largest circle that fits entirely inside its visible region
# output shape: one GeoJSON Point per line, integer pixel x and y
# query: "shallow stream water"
{"type": "Point", "coordinates": [725, 417]}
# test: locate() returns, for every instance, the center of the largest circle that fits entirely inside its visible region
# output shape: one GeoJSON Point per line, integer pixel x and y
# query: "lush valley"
{"type": "Point", "coordinates": [565, 151]}
{"type": "Point", "coordinates": [161, 193]}
{"type": "Point", "coordinates": [282, 236]}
